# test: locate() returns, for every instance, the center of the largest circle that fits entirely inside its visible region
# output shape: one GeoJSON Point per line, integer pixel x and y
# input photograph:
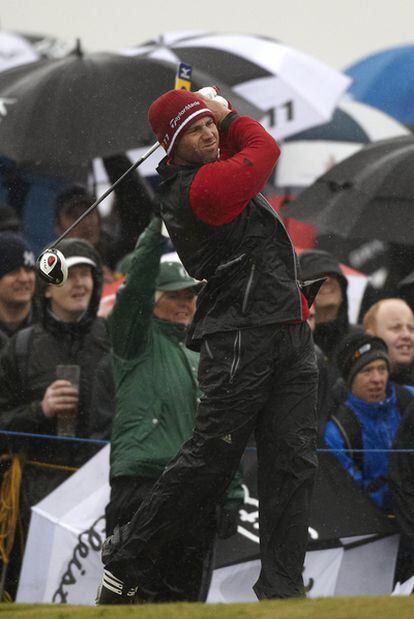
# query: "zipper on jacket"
{"type": "Point", "coordinates": [267, 206]}
{"type": "Point", "coordinates": [208, 349]}
{"type": "Point", "coordinates": [248, 287]}
{"type": "Point", "coordinates": [230, 262]}
{"type": "Point", "coordinates": [236, 355]}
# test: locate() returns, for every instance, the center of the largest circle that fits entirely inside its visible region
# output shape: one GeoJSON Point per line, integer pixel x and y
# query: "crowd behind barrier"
{"type": "Point", "coordinates": [50, 426]}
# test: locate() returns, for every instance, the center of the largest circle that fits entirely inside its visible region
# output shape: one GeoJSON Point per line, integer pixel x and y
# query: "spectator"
{"type": "Point", "coordinates": [369, 417]}
{"type": "Point", "coordinates": [393, 321]}
{"type": "Point", "coordinates": [156, 400]}
{"type": "Point", "coordinates": [132, 207]}
{"type": "Point", "coordinates": [324, 386]}
{"type": "Point", "coordinates": [71, 204]}
{"type": "Point", "coordinates": [9, 220]}
{"type": "Point", "coordinates": [130, 214]}
{"type": "Point", "coordinates": [331, 302]}
{"type": "Point", "coordinates": [68, 332]}
{"type": "Point", "coordinates": [17, 285]}
{"type": "Point", "coordinates": [401, 480]}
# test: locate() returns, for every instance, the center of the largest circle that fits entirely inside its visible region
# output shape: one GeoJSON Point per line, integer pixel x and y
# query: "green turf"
{"type": "Point", "coordinates": [328, 608]}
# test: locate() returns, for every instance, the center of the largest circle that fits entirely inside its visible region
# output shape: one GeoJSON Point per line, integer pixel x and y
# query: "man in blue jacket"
{"type": "Point", "coordinates": [369, 417]}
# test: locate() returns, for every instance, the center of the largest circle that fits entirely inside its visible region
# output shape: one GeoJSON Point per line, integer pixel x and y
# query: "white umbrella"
{"type": "Point", "coordinates": [309, 154]}
{"type": "Point", "coordinates": [294, 90]}
{"type": "Point", "coordinates": [15, 50]}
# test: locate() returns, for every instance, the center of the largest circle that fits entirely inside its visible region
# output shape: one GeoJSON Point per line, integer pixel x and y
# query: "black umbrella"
{"type": "Point", "coordinates": [61, 113]}
{"type": "Point", "coordinates": [368, 196]}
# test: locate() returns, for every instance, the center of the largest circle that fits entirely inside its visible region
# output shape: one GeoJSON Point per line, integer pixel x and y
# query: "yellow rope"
{"type": "Point", "coordinates": [9, 504]}
{"type": "Point", "coordinates": [55, 467]}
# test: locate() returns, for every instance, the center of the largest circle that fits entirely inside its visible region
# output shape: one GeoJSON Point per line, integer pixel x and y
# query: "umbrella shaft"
{"type": "Point", "coordinates": [106, 193]}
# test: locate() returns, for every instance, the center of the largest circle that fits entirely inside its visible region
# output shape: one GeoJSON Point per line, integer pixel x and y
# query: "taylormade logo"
{"type": "Point", "coordinates": [176, 120]}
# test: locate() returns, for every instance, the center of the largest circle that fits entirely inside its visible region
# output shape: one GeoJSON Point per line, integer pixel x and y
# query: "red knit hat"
{"type": "Point", "coordinates": [173, 112]}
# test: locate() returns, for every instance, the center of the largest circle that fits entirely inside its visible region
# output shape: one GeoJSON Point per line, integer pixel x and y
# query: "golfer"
{"type": "Point", "coordinates": [257, 362]}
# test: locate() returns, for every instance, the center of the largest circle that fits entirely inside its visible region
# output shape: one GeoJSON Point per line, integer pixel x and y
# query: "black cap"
{"type": "Point", "coordinates": [15, 252]}
{"type": "Point", "coordinates": [356, 351]}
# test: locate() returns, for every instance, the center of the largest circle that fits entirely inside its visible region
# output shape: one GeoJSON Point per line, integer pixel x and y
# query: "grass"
{"type": "Point", "coordinates": [327, 608]}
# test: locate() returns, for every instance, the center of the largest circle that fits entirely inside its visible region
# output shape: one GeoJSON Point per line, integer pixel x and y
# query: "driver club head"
{"type": "Point", "coordinates": [52, 267]}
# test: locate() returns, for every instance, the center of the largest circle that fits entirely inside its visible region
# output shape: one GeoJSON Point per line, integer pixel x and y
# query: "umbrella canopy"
{"type": "Point", "coordinates": [61, 113]}
{"type": "Point", "coordinates": [15, 50]}
{"type": "Point", "coordinates": [309, 154]}
{"type": "Point", "coordinates": [294, 90]}
{"type": "Point", "coordinates": [47, 46]}
{"type": "Point", "coordinates": [383, 80]}
{"type": "Point", "coordinates": [369, 195]}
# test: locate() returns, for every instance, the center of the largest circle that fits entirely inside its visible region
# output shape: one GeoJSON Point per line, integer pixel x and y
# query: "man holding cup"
{"type": "Point", "coordinates": [37, 395]}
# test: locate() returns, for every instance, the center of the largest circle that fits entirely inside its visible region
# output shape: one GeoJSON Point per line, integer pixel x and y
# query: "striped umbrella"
{"type": "Point", "coordinates": [294, 90]}
{"type": "Point", "coordinates": [309, 154]}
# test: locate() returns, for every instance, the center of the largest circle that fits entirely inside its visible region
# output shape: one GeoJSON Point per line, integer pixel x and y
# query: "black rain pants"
{"type": "Point", "coordinates": [183, 573]}
{"type": "Point", "coordinates": [261, 379]}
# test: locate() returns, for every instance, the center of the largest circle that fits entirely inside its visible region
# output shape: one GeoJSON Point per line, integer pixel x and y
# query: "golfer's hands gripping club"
{"type": "Point", "coordinates": [217, 104]}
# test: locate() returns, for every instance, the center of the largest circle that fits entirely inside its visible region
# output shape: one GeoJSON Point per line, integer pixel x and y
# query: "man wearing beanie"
{"type": "Point", "coordinates": [369, 417]}
{"type": "Point", "coordinates": [17, 285]}
{"type": "Point", "coordinates": [257, 362]}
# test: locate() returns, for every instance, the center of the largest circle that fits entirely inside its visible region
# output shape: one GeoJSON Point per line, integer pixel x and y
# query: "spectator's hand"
{"type": "Point", "coordinates": [59, 397]}
{"type": "Point", "coordinates": [227, 518]}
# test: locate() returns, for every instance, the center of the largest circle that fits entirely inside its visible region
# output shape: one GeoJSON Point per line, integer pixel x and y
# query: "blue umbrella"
{"type": "Point", "coordinates": [384, 80]}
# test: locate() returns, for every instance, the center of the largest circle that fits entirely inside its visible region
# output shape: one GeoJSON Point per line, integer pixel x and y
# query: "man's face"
{"type": "Point", "coordinates": [176, 306]}
{"type": "Point", "coordinates": [370, 383]}
{"type": "Point", "coordinates": [329, 294]}
{"type": "Point", "coordinates": [199, 144]}
{"type": "Point", "coordinates": [70, 301]}
{"type": "Point", "coordinates": [17, 287]}
{"type": "Point", "coordinates": [89, 229]}
{"type": "Point", "coordinates": [395, 325]}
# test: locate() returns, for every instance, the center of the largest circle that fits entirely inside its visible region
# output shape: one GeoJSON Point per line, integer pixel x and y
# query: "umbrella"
{"type": "Point", "coordinates": [383, 81]}
{"type": "Point", "coordinates": [309, 154]}
{"type": "Point", "coordinates": [47, 46]}
{"type": "Point", "coordinates": [61, 113]}
{"type": "Point", "coordinates": [15, 50]}
{"type": "Point", "coordinates": [294, 90]}
{"type": "Point", "coordinates": [367, 196]}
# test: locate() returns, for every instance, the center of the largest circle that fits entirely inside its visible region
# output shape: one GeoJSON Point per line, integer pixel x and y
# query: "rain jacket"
{"type": "Point", "coordinates": [50, 342]}
{"type": "Point", "coordinates": [225, 232]}
{"type": "Point", "coordinates": [155, 373]}
{"type": "Point", "coordinates": [379, 422]}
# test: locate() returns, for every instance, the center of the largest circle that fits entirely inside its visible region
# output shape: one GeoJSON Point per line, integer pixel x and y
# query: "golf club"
{"type": "Point", "coordinates": [51, 264]}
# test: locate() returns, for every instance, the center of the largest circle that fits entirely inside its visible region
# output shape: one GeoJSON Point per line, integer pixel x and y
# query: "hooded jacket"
{"type": "Point", "coordinates": [25, 378]}
{"type": "Point", "coordinates": [318, 263]}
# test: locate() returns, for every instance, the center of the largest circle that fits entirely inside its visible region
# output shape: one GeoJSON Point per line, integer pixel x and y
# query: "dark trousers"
{"type": "Point", "coordinates": [183, 573]}
{"type": "Point", "coordinates": [261, 379]}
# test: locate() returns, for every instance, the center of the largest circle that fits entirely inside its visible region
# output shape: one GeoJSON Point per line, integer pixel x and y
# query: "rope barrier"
{"type": "Point", "coordinates": [9, 512]}
{"type": "Point", "coordinates": [52, 437]}
{"type": "Point", "coordinates": [94, 441]}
